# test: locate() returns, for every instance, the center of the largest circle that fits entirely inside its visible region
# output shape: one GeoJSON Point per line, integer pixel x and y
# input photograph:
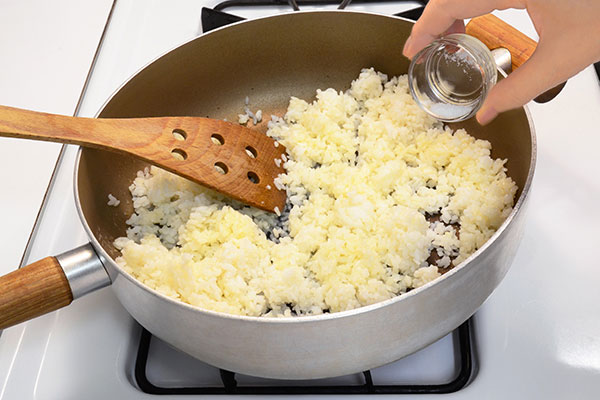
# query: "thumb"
{"type": "Point", "coordinates": [525, 83]}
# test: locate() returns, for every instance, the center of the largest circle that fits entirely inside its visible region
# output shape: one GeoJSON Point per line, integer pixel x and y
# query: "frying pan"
{"type": "Point", "coordinates": [270, 60]}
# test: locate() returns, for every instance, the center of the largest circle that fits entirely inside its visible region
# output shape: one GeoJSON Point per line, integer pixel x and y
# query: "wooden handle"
{"type": "Point", "coordinates": [495, 33]}
{"type": "Point", "coordinates": [33, 290]}
{"type": "Point", "coordinates": [109, 134]}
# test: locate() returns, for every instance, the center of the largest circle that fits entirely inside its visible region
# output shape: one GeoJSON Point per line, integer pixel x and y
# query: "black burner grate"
{"type": "Point", "coordinates": [295, 4]}
{"type": "Point", "coordinates": [230, 385]}
{"type": "Point", "coordinates": [213, 18]}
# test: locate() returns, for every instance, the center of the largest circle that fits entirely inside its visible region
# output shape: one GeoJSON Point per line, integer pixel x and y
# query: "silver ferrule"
{"type": "Point", "coordinates": [83, 270]}
{"type": "Point", "coordinates": [503, 59]}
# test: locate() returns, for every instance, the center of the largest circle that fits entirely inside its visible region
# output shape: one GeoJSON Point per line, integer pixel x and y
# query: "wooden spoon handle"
{"type": "Point", "coordinates": [495, 33]}
{"type": "Point", "coordinates": [89, 132]}
{"type": "Point", "coordinates": [31, 291]}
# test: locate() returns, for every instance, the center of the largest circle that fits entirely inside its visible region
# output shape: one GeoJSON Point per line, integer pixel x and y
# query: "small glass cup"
{"type": "Point", "coordinates": [450, 78]}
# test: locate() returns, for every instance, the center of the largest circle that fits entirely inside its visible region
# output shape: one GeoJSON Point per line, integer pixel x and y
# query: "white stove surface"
{"type": "Point", "coordinates": [44, 66]}
{"type": "Point", "coordinates": [537, 336]}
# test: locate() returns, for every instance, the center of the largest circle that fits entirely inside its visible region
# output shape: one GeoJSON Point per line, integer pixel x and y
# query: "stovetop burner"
{"type": "Point", "coordinates": [295, 4]}
{"type": "Point", "coordinates": [213, 18]}
{"type": "Point", "coordinates": [230, 385]}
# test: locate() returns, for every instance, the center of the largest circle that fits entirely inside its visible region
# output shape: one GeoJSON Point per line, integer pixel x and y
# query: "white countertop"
{"type": "Point", "coordinates": [46, 50]}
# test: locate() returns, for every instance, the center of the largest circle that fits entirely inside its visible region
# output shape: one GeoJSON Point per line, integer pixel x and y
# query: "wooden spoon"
{"type": "Point", "coordinates": [229, 158]}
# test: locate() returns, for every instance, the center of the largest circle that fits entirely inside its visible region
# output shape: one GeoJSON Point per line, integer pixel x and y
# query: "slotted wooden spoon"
{"type": "Point", "coordinates": [229, 158]}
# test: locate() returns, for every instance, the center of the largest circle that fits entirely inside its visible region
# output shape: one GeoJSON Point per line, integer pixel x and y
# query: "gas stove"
{"type": "Point", "coordinates": [538, 335]}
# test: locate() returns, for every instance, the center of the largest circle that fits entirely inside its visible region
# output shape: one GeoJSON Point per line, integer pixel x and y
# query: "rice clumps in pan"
{"type": "Point", "coordinates": [375, 187]}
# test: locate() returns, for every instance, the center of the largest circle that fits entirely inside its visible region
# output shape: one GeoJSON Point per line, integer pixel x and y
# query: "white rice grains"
{"type": "Point", "coordinates": [365, 170]}
{"type": "Point", "coordinates": [113, 201]}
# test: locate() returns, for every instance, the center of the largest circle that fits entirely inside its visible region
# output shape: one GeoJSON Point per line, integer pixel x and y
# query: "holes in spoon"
{"type": "Point", "coordinates": [221, 168]}
{"type": "Point", "coordinates": [179, 154]}
{"type": "Point", "coordinates": [179, 134]}
{"type": "Point", "coordinates": [251, 151]}
{"type": "Point", "coordinates": [217, 139]}
{"type": "Point", "coordinates": [253, 177]}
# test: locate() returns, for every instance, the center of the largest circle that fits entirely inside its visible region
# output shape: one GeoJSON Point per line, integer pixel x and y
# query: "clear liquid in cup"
{"type": "Point", "coordinates": [450, 78]}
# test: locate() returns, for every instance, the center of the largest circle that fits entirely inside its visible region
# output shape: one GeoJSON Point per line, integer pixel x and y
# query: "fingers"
{"type": "Point", "coordinates": [440, 16]}
{"type": "Point", "coordinates": [528, 81]}
{"type": "Point", "coordinates": [457, 27]}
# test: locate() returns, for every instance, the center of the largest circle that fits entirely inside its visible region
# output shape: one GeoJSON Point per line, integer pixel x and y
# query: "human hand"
{"type": "Point", "coordinates": [569, 41]}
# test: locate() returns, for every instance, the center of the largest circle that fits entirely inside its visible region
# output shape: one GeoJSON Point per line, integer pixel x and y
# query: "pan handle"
{"type": "Point", "coordinates": [496, 34]}
{"type": "Point", "coordinates": [50, 284]}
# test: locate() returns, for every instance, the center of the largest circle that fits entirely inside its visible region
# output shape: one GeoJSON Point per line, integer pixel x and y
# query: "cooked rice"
{"type": "Point", "coordinates": [113, 201]}
{"type": "Point", "coordinates": [366, 172]}
{"type": "Point", "coordinates": [256, 117]}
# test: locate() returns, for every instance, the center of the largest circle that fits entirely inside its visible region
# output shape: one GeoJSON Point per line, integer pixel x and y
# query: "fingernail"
{"type": "Point", "coordinates": [486, 115]}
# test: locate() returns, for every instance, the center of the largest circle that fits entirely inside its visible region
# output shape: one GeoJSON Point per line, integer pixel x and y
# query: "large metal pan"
{"type": "Point", "coordinates": [270, 59]}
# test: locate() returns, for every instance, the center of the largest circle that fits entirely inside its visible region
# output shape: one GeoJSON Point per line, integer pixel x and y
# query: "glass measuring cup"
{"type": "Point", "coordinates": [450, 78]}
